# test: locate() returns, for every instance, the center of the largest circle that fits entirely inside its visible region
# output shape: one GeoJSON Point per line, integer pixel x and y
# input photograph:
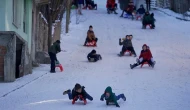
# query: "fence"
{"type": "Point", "coordinates": [179, 6]}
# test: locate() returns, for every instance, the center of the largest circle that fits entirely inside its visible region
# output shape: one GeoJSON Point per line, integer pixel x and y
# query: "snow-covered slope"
{"type": "Point", "coordinates": [166, 87]}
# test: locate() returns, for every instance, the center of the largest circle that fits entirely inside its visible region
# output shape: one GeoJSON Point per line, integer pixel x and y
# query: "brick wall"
{"type": "Point", "coordinates": [2, 54]}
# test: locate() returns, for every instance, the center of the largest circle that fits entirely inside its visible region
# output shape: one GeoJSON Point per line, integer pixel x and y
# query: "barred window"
{"type": "Point", "coordinates": [16, 13]}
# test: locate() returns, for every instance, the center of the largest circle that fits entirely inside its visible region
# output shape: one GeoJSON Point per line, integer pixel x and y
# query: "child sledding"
{"type": "Point", "coordinates": [130, 11]}
{"type": "Point", "coordinates": [111, 6]}
{"type": "Point", "coordinates": [111, 98]}
{"type": "Point", "coordinates": [127, 46]}
{"type": "Point", "coordinates": [144, 58]}
{"type": "Point", "coordinates": [93, 57]}
{"type": "Point", "coordinates": [78, 93]}
{"type": "Point", "coordinates": [90, 5]}
{"type": "Point", "coordinates": [91, 40]}
{"type": "Point", "coordinates": [148, 20]}
{"type": "Point", "coordinates": [140, 12]}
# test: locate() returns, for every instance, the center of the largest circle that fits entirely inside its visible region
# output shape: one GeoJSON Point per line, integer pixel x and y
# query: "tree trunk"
{"type": "Point", "coordinates": [68, 16]}
{"type": "Point", "coordinates": [50, 31]}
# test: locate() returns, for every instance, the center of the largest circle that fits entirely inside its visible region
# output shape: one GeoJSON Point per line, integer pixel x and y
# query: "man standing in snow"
{"type": "Point", "coordinates": [80, 3]}
{"type": "Point", "coordinates": [53, 50]}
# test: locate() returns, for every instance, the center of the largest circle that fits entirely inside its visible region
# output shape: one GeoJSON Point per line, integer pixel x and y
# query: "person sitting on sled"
{"type": "Point", "coordinates": [110, 97]}
{"type": "Point", "coordinates": [148, 19]}
{"type": "Point", "coordinates": [90, 36]}
{"type": "Point", "coordinates": [93, 57]}
{"type": "Point", "coordinates": [141, 11]}
{"type": "Point", "coordinates": [130, 10]}
{"type": "Point", "coordinates": [127, 45]}
{"type": "Point", "coordinates": [111, 6]}
{"type": "Point", "coordinates": [90, 4]}
{"type": "Point", "coordinates": [78, 92]}
{"type": "Point", "coordinates": [145, 56]}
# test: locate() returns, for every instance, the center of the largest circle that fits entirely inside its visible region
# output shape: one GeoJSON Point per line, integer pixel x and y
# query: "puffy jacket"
{"type": "Point", "coordinates": [141, 10]}
{"type": "Point", "coordinates": [110, 3]}
{"type": "Point", "coordinates": [75, 93]}
{"type": "Point", "coordinates": [145, 54]}
{"type": "Point", "coordinates": [55, 48]}
{"type": "Point", "coordinates": [91, 35]}
{"type": "Point", "coordinates": [112, 97]}
{"type": "Point", "coordinates": [126, 43]}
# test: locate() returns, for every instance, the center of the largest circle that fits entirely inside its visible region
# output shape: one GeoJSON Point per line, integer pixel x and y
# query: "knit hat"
{"type": "Point", "coordinates": [144, 45]}
{"type": "Point", "coordinates": [77, 86]}
{"type": "Point", "coordinates": [58, 41]}
{"type": "Point", "coordinates": [93, 51]}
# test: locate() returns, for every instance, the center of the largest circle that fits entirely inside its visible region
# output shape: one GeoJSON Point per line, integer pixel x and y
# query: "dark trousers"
{"type": "Point", "coordinates": [95, 57]}
{"type": "Point", "coordinates": [87, 96]}
{"type": "Point", "coordinates": [128, 48]}
{"type": "Point", "coordinates": [120, 96]}
{"type": "Point", "coordinates": [53, 59]}
{"type": "Point", "coordinates": [149, 62]}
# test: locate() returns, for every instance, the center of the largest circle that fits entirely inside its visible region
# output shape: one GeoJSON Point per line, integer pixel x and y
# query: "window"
{"type": "Point", "coordinates": [16, 13]}
{"type": "Point", "coordinates": [24, 17]}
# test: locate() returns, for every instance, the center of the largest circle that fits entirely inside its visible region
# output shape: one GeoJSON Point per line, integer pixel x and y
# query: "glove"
{"type": "Point", "coordinates": [117, 105]}
{"type": "Point", "coordinates": [101, 99]}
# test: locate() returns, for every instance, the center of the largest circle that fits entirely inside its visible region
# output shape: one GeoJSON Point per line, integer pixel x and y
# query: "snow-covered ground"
{"type": "Point", "coordinates": [166, 87]}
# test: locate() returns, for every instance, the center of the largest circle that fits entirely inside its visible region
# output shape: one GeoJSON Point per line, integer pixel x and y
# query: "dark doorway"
{"type": "Point", "coordinates": [19, 47]}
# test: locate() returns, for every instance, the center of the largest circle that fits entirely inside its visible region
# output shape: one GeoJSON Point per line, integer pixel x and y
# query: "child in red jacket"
{"type": "Point", "coordinates": [145, 56]}
{"type": "Point", "coordinates": [111, 6]}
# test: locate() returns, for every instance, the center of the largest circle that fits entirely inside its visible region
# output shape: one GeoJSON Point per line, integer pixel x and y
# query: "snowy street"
{"type": "Point", "coordinates": [165, 87]}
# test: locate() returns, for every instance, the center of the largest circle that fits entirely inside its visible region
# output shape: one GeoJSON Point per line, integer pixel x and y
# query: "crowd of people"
{"type": "Point", "coordinates": [78, 92]}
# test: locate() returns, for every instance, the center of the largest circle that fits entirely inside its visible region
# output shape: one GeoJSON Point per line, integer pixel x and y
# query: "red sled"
{"type": "Point", "coordinates": [127, 51]}
{"type": "Point", "coordinates": [81, 98]}
{"type": "Point", "coordinates": [91, 44]}
{"type": "Point", "coordinates": [138, 17]}
{"type": "Point", "coordinates": [60, 67]}
{"type": "Point", "coordinates": [144, 64]}
{"type": "Point", "coordinates": [149, 25]}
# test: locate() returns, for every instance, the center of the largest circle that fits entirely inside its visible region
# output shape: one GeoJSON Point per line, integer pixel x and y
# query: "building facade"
{"type": "Point", "coordinates": [15, 39]}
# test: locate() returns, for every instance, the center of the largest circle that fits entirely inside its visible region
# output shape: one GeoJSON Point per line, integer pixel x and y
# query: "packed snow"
{"type": "Point", "coordinates": [165, 87]}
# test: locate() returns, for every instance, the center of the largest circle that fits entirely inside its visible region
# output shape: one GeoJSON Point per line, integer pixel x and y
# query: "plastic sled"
{"type": "Point", "coordinates": [127, 51]}
{"type": "Point", "coordinates": [144, 64]}
{"type": "Point", "coordinates": [80, 98]}
{"type": "Point", "coordinates": [110, 103]}
{"type": "Point", "coordinates": [60, 67]}
{"type": "Point", "coordinates": [91, 44]}
{"type": "Point", "coordinates": [138, 17]}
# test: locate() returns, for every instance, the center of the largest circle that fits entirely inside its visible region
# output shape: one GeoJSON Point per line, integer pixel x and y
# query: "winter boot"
{"type": "Point", "coordinates": [115, 12]}
{"type": "Point", "coordinates": [134, 65]}
{"type": "Point", "coordinates": [85, 102]}
{"type": "Point", "coordinates": [123, 97]}
{"type": "Point", "coordinates": [153, 63]}
{"type": "Point", "coordinates": [66, 92]}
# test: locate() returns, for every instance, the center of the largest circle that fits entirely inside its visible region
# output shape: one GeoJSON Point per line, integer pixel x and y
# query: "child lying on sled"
{"type": "Point", "coordinates": [78, 92]}
{"type": "Point", "coordinates": [110, 97]}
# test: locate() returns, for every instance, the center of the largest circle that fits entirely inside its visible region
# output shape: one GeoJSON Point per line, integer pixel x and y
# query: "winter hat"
{"type": "Point", "coordinates": [90, 26]}
{"type": "Point", "coordinates": [93, 51]}
{"type": "Point", "coordinates": [77, 86]}
{"type": "Point", "coordinates": [144, 45]}
{"type": "Point", "coordinates": [58, 41]}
